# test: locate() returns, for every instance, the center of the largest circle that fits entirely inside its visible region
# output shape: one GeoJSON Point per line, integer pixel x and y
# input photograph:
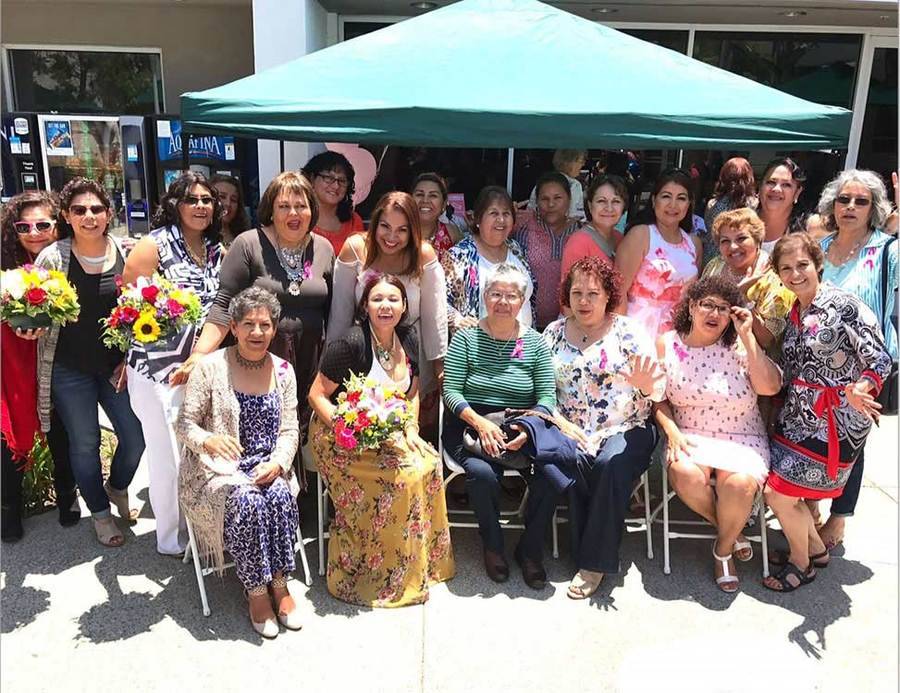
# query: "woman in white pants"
{"type": "Point", "coordinates": [185, 248]}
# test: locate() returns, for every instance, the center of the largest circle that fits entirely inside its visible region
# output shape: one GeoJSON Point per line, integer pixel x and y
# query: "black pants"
{"type": "Point", "coordinates": [63, 479]}
{"type": "Point", "coordinates": [601, 515]}
{"type": "Point", "coordinates": [845, 504]}
{"type": "Point", "coordinates": [483, 488]}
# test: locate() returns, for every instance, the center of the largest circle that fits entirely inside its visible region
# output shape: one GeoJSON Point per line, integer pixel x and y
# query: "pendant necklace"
{"type": "Point", "coordinates": [853, 251]}
{"type": "Point", "coordinates": [247, 363]}
{"type": "Point", "coordinates": [384, 355]}
{"type": "Point", "coordinates": [295, 263]}
{"type": "Point", "coordinates": [499, 350]}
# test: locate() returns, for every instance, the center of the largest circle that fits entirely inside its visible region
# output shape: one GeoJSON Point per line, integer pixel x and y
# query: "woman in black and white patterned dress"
{"type": "Point", "coordinates": [184, 248]}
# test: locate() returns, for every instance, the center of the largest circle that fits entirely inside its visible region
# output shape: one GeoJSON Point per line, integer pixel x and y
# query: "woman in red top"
{"type": "Point", "coordinates": [331, 175]}
{"type": "Point", "coordinates": [28, 223]}
{"type": "Point", "coordinates": [430, 193]}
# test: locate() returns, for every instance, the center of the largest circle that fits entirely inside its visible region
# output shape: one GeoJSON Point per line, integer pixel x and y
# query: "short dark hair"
{"type": "Point", "coordinates": [295, 183]}
{"type": "Point", "coordinates": [329, 161]}
{"type": "Point", "coordinates": [241, 219]}
{"type": "Point", "coordinates": [251, 298]}
{"type": "Point", "coordinates": [718, 285]}
{"type": "Point", "coordinates": [680, 177]}
{"type": "Point", "coordinates": [12, 253]}
{"type": "Point", "coordinates": [796, 172]}
{"type": "Point", "coordinates": [617, 183]}
{"type": "Point", "coordinates": [488, 196]}
{"type": "Point", "coordinates": [798, 241]}
{"type": "Point", "coordinates": [602, 271]}
{"type": "Point", "coordinates": [74, 188]}
{"type": "Point", "coordinates": [374, 280]}
{"type": "Point", "coordinates": [431, 177]}
{"type": "Point", "coordinates": [179, 189]}
{"type": "Point", "coordinates": [552, 177]}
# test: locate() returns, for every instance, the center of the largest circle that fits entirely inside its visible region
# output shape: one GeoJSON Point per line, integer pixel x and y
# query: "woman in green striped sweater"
{"type": "Point", "coordinates": [499, 364]}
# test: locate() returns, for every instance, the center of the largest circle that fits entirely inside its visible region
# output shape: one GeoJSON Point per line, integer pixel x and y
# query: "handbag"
{"type": "Point", "coordinates": [511, 459]}
{"type": "Point", "coordinates": [888, 396]}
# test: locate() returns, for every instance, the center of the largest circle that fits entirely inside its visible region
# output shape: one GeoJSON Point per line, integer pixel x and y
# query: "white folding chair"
{"type": "Point", "coordinates": [321, 505]}
{"type": "Point", "coordinates": [191, 552]}
{"type": "Point", "coordinates": [645, 523]}
{"type": "Point", "coordinates": [669, 534]}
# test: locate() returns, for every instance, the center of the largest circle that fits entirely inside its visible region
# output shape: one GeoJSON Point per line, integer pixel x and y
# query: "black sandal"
{"type": "Point", "coordinates": [803, 577]}
{"type": "Point", "coordinates": [781, 557]}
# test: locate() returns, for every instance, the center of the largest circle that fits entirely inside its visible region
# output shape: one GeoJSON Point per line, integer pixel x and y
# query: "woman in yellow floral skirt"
{"type": "Point", "coordinates": [390, 538]}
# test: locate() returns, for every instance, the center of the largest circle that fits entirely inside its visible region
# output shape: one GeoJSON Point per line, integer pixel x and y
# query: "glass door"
{"type": "Point", "coordinates": [878, 142]}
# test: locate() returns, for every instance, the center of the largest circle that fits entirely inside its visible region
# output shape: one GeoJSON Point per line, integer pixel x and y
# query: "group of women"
{"type": "Point", "coordinates": [602, 342]}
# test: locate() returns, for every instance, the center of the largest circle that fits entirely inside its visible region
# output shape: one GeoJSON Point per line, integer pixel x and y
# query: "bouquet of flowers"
{"type": "Point", "coordinates": [368, 414]}
{"type": "Point", "coordinates": [33, 297]}
{"type": "Point", "coordinates": [150, 310]}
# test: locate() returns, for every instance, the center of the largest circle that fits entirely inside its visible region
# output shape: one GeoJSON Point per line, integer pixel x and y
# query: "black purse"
{"type": "Point", "coordinates": [511, 459]}
{"type": "Point", "coordinates": [888, 396]}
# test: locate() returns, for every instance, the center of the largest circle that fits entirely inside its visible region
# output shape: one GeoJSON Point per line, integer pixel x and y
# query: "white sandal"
{"type": "Point", "coordinates": [726, 578]}
{"type": "Point", "coordinates": [743, 546]}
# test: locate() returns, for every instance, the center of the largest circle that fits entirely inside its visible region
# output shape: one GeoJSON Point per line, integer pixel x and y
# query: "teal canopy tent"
{"type": "Point", "coordinates": [510, 73]}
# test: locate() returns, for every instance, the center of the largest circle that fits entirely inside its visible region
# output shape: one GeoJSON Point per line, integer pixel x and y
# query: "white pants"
{"type": "Point", "coordinates": [154, 403]}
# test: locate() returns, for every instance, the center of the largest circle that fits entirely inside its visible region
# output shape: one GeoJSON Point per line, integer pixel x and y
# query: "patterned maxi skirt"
{"type": "Point", "coordinates": [390, 538]}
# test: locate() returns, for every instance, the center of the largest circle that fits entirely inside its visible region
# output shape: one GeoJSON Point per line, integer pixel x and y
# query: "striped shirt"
{"type": "Point", "coordinates": [479, 369]}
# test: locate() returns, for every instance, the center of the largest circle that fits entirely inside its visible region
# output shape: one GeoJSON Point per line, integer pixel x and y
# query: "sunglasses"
{"type": "Point", "coordinates": [858, 201]}
{"type": "Point", "coordinates": [195, 200]}
{"type": "Point", "coordinates": [81, 210]}
{"type": "Point", "coordinates": [24, 227]}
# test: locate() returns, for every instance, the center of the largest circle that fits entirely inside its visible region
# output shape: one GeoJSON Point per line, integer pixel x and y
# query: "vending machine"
{"type": "Point", "coordinates": [207, 154]}
{"type": "Point", "coordinates": [137, 181]}
{"type": "Point", "coordinates": [21, 152]}
{"type": "Point", "coordinates": [88, 146]}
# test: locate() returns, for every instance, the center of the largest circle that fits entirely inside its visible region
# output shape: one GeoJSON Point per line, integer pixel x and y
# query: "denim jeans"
{"type": "Point", "coordinates": [75, 397]}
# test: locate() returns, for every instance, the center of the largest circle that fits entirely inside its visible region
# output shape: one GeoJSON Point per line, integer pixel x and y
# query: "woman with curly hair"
{"type": "Point", "coordinates": [332, 177]}
{"type": "Point", "coordinates": [185, 248]}
{"type": "Point", "coordinates": [714, 371]}
{"type": "Point", "coordinates": [29, 224]}
{"type": "Point", "coordinates": [606, 379]}
{"type": "Point", "coordinates": [77, 370]}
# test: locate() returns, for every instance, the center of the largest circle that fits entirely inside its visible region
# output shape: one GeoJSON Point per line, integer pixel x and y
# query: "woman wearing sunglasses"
{"type": "Point", "coordinates": [854, 207]}
{"type": "Point", "coordinates": [29, 224]}
{"type": "Point", "coordinates": [185, 248]}
{"type": "Point", "coordinates": [77, 371]}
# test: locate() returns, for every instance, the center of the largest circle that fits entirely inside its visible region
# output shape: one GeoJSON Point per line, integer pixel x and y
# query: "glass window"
{"type": "Point", "coordinates": [878, 144]}
{"type": "Point", "coordinates": [815, 67]}
{"type": "Point", "coordinates": [673, 40]}
{"type": "Point", "coordinates": [86, 81]}
{"type": "Point", "coordinates": [354, 29]}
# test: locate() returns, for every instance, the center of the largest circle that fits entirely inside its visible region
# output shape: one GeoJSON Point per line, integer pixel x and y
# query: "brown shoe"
{"type": "Point", "coordinates": [495, 566]}
{"type": "Point", "coordinates": [533, 572]}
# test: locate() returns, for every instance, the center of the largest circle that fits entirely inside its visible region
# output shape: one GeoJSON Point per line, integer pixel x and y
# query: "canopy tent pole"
{"type": "Point", "coordinates": [511, 153]}
{"type": "Point", "coordinates": [185, 149]}
{"type": "Point", "coordinates": [281, 153]}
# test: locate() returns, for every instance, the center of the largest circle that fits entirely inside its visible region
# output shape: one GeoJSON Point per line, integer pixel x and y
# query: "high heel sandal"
{"type": "Point", "coordinates": [726, 581]}
{"type": "Point", "coordinates": [120, 500]}
{"type": "Point", "coordinates": [268, 628]}
{"type": "Point", "coordinates": [290, 620]}
{"type": "Point", "coordinates": [108, 533]}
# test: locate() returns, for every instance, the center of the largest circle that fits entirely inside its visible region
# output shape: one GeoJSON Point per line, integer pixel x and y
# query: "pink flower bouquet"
{"type": "Point", "coordinates": [368, 414]}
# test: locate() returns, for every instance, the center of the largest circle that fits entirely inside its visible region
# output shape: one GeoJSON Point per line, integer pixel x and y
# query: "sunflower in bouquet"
{"type": "Point", "coordinates": [33, 297]}
{"type": "Point", "coordinates": [150, 310]}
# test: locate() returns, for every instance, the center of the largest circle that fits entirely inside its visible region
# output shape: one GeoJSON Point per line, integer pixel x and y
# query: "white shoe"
{"type": "Point", "coordinates": [290, 621]}
{"type": "Point", "coordinates": [268, 628]}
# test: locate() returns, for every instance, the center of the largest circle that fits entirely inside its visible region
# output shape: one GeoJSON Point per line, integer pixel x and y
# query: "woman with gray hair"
{"type": "Point", "coordinates": [500, 363]}
{"type": "Point", "coordinates": [861, 259]}
{"type": "Point", "coordinates": [238, 428]}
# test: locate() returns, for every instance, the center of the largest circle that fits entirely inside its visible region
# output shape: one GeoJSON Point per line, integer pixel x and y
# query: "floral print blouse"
{"type": "Point", "coordinates": [589, 390]}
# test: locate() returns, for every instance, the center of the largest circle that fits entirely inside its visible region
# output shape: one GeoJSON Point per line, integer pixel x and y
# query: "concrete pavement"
{"type": "Point", "coordinates": [77, 617]}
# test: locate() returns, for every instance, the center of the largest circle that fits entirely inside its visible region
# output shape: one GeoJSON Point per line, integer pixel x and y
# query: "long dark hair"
{"type": "Point", "coordinates": [329, 161]}
{"type": "Point", "coordinates": [12, 252]}
{"type": "Point", "coordinates": [179, 189]}
{"type": "Point", "coordinates": [718, 285]}
{"type": "Point", "coordinates": [241, 219]}
{"type": "Point", "coordinates": [736, 181]}
{"type": "Point", "coordinates": [680, 177]}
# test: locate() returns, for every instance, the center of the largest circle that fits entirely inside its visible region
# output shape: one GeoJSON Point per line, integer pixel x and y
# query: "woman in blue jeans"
{"type": "Point", "coordinates": [77, 371]}
{"type": "Point", "coordinates": [606, 377]}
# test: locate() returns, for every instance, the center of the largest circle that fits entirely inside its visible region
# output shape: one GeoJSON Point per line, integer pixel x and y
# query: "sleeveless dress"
{"type": "Point", "coordinates": [664, 273]}
{"type": "Point", "coordinates": [715, 406]}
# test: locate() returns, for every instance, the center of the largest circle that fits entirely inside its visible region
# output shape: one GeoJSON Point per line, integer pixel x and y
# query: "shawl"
{"type": "Point", "coordinates": [204, 481]}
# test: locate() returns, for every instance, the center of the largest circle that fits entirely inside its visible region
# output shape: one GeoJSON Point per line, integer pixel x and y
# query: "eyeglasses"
{"type": "Point", "coordinates": [498, 296]}
{"type": "Point", "coordinates": [81, 210]}
{"type": "Point", "coordinates": [858, 201]}
{"type": "Point", "coordinates": [333, 180]}
{"type": "Point", "coordinates": [24, 227]}
{"type": "Point", "coordinates": [712, 307]}
{"type": "Point", "coordinates": [194, 200]}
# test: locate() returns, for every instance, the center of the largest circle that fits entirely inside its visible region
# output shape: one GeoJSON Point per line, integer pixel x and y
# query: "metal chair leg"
{"type": "Point", "coordinates": [764, 539]}
{"type": "Point", "coordinates": [322, 502]}
{"type": "Point", "coordinates": [307, 579]}
{"type": "Point", "coordinates": [665, 501]}
{"type": "Point", "coordinates": [198, 569]}
{"type": "Point", "coordinates": [648, 522]}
